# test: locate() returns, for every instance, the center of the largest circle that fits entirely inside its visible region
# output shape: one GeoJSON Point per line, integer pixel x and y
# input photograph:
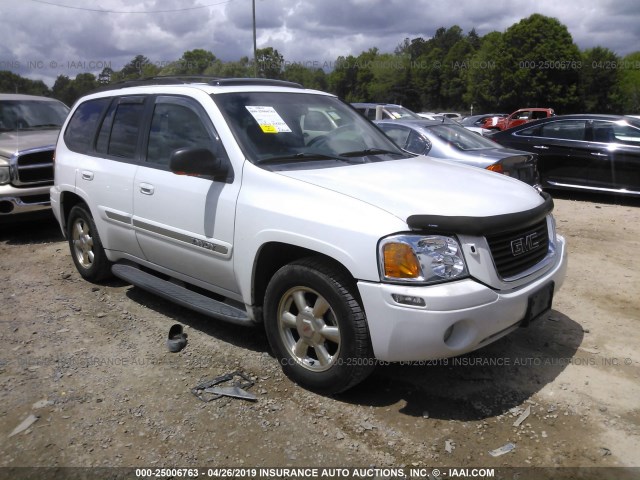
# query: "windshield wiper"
{"type": "Point", "coordinates": [303, 157]}
{"type": "Point", "coordinates": [369, 151]}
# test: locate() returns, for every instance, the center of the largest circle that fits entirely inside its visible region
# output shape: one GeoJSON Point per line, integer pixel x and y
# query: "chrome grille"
{"type": "Point", "coordinates": [518, 250]}
{"type": "Point", "coordinates": [32, 168]}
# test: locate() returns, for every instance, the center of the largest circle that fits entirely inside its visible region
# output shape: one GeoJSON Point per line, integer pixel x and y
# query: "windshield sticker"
{"type": "Point", "coordinates": [334, 115]}
{"type": "Point", "coordinates": [268, 119]}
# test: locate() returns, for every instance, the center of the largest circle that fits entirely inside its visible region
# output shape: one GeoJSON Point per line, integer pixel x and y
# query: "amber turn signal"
{"type": "Point", "coordinates": [496, 167]}
{"type": "Point", "coordinates": [400, 261]}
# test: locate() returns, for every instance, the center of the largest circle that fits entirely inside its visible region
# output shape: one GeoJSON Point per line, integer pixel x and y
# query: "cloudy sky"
{"type": "Point", "coordinates": [42, 39]}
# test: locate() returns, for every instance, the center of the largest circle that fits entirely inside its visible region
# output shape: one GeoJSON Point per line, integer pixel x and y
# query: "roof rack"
{"type": "Point", "coordinates": [199, 79]}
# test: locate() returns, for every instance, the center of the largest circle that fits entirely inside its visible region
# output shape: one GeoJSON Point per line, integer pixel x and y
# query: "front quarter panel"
{"type": "Point", "coordinates": [276, 208]}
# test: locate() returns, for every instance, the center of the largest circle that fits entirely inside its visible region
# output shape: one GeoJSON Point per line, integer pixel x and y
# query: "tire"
{"type": "Point", "coordinates": [85, 245]}
{"type": "Point", "coordinates": [329, 350]}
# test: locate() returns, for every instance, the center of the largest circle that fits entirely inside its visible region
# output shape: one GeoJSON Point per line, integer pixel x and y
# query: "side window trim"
{"type": "Point", "coordinates": [113, 105]}
{"type": "Point", "coordinates": [187, 102]}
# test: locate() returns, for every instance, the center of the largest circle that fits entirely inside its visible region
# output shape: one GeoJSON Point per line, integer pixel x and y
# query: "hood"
{"type": "Point", "coordinates": [425, 186]}
{"type": "Point", "coordinates": [17, 140]}
{"type": "Point", "coordinates": [492, 155]}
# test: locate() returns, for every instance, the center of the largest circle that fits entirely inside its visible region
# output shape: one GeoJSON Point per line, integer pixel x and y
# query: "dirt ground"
{"type": "Point", "coordinates": [90, 363]}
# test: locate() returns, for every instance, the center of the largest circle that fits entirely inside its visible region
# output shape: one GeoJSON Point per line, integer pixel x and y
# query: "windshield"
{"type": "Point", "coordinates": [302, 127]}
{"type": "Point", "coordinates": [461, 138]}
{"type": "Point", "coordinates": [401, 112]}
{"type": "Point", "coordinates": [31, 114]}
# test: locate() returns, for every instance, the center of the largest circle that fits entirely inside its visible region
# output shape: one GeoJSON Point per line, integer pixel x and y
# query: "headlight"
{"type": "Point", "coordinates": [4, 175]}
{"type": "Point", "coordinates": [421, 259]}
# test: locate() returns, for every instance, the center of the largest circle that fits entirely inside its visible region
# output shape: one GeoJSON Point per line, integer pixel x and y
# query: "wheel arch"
{"type": "Point", "coordinates": [274, 255]}
{"type": "Point", "coordinates": [68, 200]}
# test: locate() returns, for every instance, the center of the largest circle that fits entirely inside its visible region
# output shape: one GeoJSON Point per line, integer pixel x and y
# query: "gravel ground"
{"type": "Point", "coordinates": [88, 365]}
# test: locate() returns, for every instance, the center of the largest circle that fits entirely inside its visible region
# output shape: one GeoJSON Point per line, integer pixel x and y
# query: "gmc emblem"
{"type": "Point", "coordinates": [524, 244]}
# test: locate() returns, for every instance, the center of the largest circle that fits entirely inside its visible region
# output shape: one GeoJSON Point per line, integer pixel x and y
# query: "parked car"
{"type": "Point", "coordinates": [383, 111]}
{"type": "Point", "coordinates": [450, 141]}
{"type": "Point", "coordinates": [344, 247]}
{"type": "Point", "coordinates": [451, 115]}
{"type": "Point", "coordinates": [29, 127]}
{"type": "Point", "coordinates": [478, 120]}
{"type": "Point", "coordinates": [518, 117]}
{"type": "Point", "coordinates": [588, 152]}
{"type": "Point", "coordinates": [429, 115]}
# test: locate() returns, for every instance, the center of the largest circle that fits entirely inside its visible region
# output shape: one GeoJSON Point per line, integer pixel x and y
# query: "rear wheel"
{"type": "Point", "coordinates": [85, 245]}
{"type": "Point", "coordinates": [317, 327]}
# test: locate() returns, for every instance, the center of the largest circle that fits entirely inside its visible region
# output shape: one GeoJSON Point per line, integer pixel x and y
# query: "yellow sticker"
{"type": "Point", "coordinates": [269, 129]}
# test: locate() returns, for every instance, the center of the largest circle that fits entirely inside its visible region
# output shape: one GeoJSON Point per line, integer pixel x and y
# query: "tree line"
{"type": "Point", "coordinates": [533, 63]}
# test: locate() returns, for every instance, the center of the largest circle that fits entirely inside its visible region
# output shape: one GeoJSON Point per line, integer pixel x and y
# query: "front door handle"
{"type": "Point", "coordinates": [541, 147]}
{"type": "Point", "coordinates": [87, 175]}
{"type": "Point", "coordinates": [598, 154]}
{"type": "Point", "coordinates": [146, 188]}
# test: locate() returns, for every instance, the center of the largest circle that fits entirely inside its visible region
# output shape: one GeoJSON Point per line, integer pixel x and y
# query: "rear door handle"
{"type": "Point", "coordinates": [598, 154]}
{"type": "Point", "coordinates": [541, 147]}
{"type": "Point", "coordinates": [146, 188]}
{"type": "Point", "coordinates": [87, 175]}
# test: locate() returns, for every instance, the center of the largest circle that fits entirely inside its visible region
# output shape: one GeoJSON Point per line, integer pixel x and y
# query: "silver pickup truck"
{"type": "Point", "coordinates": [29, 127]}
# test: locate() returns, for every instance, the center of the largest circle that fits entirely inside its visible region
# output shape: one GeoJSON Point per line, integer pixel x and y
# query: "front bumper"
{"type": "Point", "coordinates": [477, 314]}
{"type": "Point", "coordinates": [23, 200]}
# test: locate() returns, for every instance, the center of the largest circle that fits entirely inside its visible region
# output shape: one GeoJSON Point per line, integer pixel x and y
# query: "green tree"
{"type": "Point", "coordinates": [629, 83]}
{"type": "Point", "coordinates": [13, 83]}
{"type": "Point", "coordinates": [63, 90]}
{"type": "Point", "coordinates": [68, 91]}
{"type": "Point", "coordinates": [239, 69]}
{"type": "Point", "coordinates": [308, 77]}
{"type": "Point", "coordinates": [139, 67]}
{"type": "Point", "coordinates": [482, 81]}
{"type": "Point", "coordinates": [270, 63]}
{"type": "Point", "coordinates": [540, 66]}
{"type": "Point", "coordinates": [192, 62]}
{"type": "Point", "coordinates": [105, 76]}
{"type": "Point", "coordinates": [599, 81]}
{"type": "Point", "coordinates": [454, 74]}
{"type": "Point", "coordinates": [343, 79]}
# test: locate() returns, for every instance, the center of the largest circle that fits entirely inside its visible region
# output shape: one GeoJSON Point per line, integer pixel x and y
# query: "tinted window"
{"type": "Point", "coordinates": [529, 132]}
{"type": "Point", "coordinates": [82, 127]}
{"type": "Point", "coordinates": [565, 130]}
{"type": "Point", "coordinates": [417, 144]}
{"type": "Point", "coordinates": [522, 115]}
{"type": "Point", "coordinates": [175, 125]}
{"type": "Point", "coordinates": [615, 132]}
{"type": "Point", "coordinates": [461, 138]}
{"type": "Point", "coordinates": [396, 133]}
{"type": "Point", "coordinates": [317, 121]}
{"type": "Point", "coordinates": [124, 132]}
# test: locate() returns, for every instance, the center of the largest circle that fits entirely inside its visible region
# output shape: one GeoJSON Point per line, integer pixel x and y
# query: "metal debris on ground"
{"type": "Point", "coordinates": [502, 450]}
{"type": "Point", "coordinates": [449, 445]}
{"type": "Point", "coordinates": [522, 417]}
{"type": "Point", "coordinates": [26, 423]}
{"type": "Point", "coordinates": [209, 389]}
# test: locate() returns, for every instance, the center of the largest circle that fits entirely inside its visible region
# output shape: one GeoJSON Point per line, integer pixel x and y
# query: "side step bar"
{"type": "Point", "coordinates": [181, 296]}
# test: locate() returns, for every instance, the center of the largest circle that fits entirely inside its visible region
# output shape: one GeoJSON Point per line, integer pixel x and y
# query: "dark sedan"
{"type": "Point", "coordinates": [588, 152]}
{"type": "Point", "coordinates": [449, 140]}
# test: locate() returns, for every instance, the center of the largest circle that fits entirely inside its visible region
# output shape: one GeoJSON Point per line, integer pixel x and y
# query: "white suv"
{"type": "Point", "coordinates": [225, 197]}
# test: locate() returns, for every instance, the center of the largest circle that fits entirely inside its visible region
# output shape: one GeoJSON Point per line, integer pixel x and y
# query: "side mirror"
{"type": "Point", "coordinates": [197, 162]}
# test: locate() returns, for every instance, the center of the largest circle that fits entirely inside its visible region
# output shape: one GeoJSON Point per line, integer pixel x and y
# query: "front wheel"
{"type": "Point", "coordinates": [85, 245]}
{"type": "Point", "coordinates": [317, 327]}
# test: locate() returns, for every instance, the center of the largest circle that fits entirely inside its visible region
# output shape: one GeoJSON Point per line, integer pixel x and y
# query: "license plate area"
{"type": "Point", "coordinates": [539, 304]}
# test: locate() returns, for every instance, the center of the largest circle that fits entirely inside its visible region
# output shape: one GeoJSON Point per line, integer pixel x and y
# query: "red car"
{"type": "Point", "coordinates": [518, 117]}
